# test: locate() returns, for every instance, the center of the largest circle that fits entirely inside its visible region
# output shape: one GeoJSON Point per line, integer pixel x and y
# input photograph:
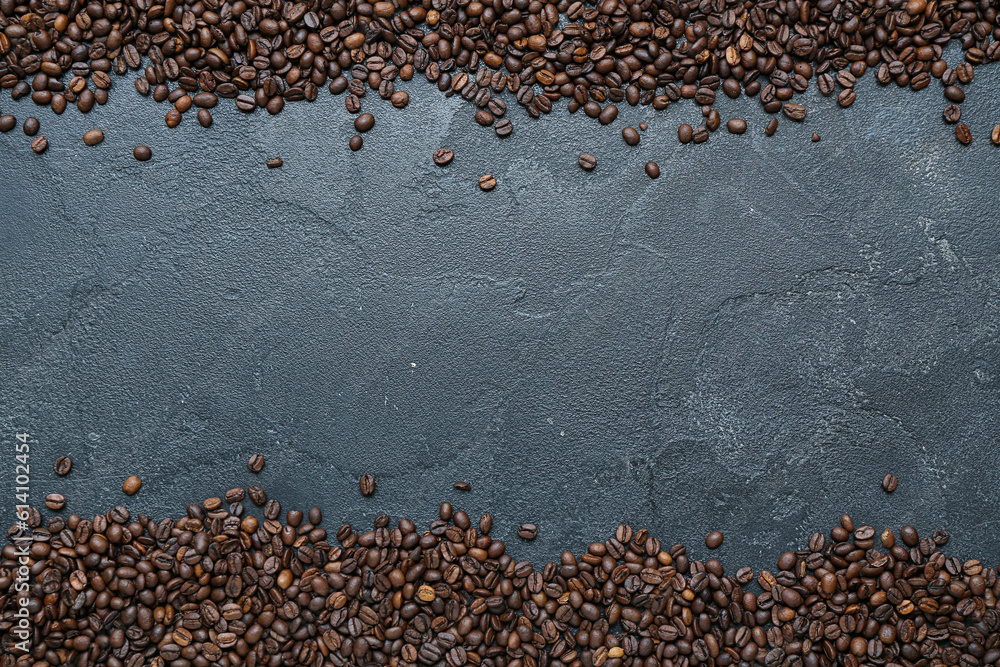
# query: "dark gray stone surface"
{"type": "Point", "coordinates": [748, 343]}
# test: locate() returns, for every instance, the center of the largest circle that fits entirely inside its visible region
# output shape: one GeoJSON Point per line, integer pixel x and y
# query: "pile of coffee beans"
{"type": "Point", "coordinates": [219, 587]}
{"type": "Point", "coordinates": [265, 53]}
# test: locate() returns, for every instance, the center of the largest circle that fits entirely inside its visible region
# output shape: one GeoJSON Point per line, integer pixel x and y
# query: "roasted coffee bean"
{"type": "Point", "coordinates": [890, 482]}
{"type": "Point", "coordinates": [963, 134]}
{"type": "Point", "coordinates": [7, 123]}
{"type": "Point", "coordinates": [685, 133]}
{"type": "Point", "coordinates": [504, 127]}
{"type": "Point", "coordinates": [274, 163]}
{"type": "Point", "coordinates": [55, 501]}
{"type": "Point", "coordinates": [484, 118]}
{"type": "Point", "coordinates": [995, 135]}
{"type": "Point", "coordinates": [356, 143]}
{"type": "Point", "coordinates": [364, 122]}
{"type": "Point", "coordinates": [31, 126]}
{"type": "Point", "coordinates": [63, 465]}
{"type": "Point", "coordinates": [204, 117]}
{"type": "Point", "coordinates": [367, 484]}
{"type": "Point", "coordinates": [132, 485]}
{"type": "Point", "coordinates": [608, 114]}
{"type": "Point", "coordinates": [954, 94]}
{"type": "Point", "coordinates": [528, 531]}
{"type": "Point", "coordinates": [256, 463]}
{"type": "Point", "coordinates": [40, 144]}
{"type": "Point", "coordinates": [793, 111]}
{"type": "Point", "coordinates": [771, 127]}
{"type": "Point", "coordinates": [173, 118]}
{"type": "Point", "coordinates": [487, 182]}
{"type": "Point", "coordinates": [700, 134]}
{"type": "Point", "coordinates": [631, 136]}
{"type": "Point", "coordinates": [587, 161]}
{"type": "Point", "coordinates": [142, 153]}
{"type": "Point", "coordinates": [714, 540]}
{"type": "Point", "coordinates": [713, 120]}
{"type": "Point", "coordinates": [443, 156]}
{"type": "Point", "coordinates": [399, 99]}
{"type": "Point", "coordinates": [952, 113]}
{"type": "Point", "coordinates": [652, 170]}
{"type": "Point", "coordinates": [846, 97]}
{"type": "Point", "coordinates": [462, 486]}
{"type": "Point", "coordinates": [815, 137]}
{"type": "Point", "coordinates": [93, 137]}
{"type": "Point", "coordinates": [736, 125]}
{"type": "Point", "coordinates": [257, 495]}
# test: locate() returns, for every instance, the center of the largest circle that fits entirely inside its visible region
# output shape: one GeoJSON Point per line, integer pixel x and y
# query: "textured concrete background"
{"type": "Point", "coordinates": [748, 343]}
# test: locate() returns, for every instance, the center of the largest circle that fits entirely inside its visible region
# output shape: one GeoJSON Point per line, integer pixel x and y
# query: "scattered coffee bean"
{"type": "Point", "coordinates": [952, 113]}
{"type": "Point", "coordinates": [815, 137]}
{"type": "Point", "coordinates": [356, 143]}
{"type": "Point", "coordinates": [462, 486]}
{"type": "Point", "coordinates": [204, 117]}
{"type": "Point", "coordinates": [713, 120]}
{"type": "Point", "coordinates": [995, 135]}
{"type": "Point", "coordinates": [846, 97]}
{"type": "Point", "coordinates": [63, 465]}
{"type": "Point", "coordinates": [685, 133]}
{"type": "Point", "coordinates": [367, 484]}
{"type": "Point", "coordinates": [173, 118]}
{"type": "Point", "coordinates": [55, 501]}
{"type": "Point", "coordinates": [504, 127]}
{"type": "Point", "coordinates": [608, 114]}
{"type": "Point", "coordinates": [700, 134]}
{"type": "Point", "coordinates": [39, 145]}
{"type": "Point", "coordinates": [794, 111]}
{"type": "Point", "coordinates": [890, 482]}
{"type": "Point", "coordinates": [652, 170]}
{"type": "Point", "coordinates": [954, 94]}
{"type": "Point", "coordinates": [7, 123]}
{"type": "Point", "coordinates": [631, 136]}
{"type": "Point", "coordinates": [484, 118]}
{"type": "Point", "coordinates": [443, 156]}
{"type": "Point", "coordinates": [771, 127]}
{"type": "Point", "coordinates": [487, 182]}
{"type": "Point", "coordinates": [274, 163]}
{"type": "Point", "coordinates": [963, 134]}
{"type": "Point", "coordinates": [93, 137]}
{"type": "Point", "coordinates": [31, 126]}
{"type": "Point", "coordinates": [132, 485]}
{"type": "Point", "coordinates": [527, 531]}
{"type": "Point", "coordinates": [587, 161]}
{"type": "Point", "coordinates": [142, 153]}
{"type": "Point", "coordinates": [257, 495]}
{"type": "Point", "coordinates": [714, 539]}
{"type": "Point", "coordinates": [256, 463]}
{"type": "Point", "coordinates": [736, 125]}
{"type": "Point", "coordinates": [364, 122]}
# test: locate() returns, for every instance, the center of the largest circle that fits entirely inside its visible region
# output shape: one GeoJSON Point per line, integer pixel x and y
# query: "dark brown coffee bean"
{"type": "Point", "coordinates": [504, 127]}
{"type": "Point", "coordinates": [954, 94]}
{"type": "Point", "coordinates": [487, 182]}
{"type": "Point", "coordinates": [995, 135]}
{"type": "Point", "coordinates": [63, 465]}
{"type": "Point", "coordinates": [443, 156]}
{"type": "Point", "coordinates": [245, 103]}
{"type": "Point", "coordinates": [890, 482]}
{"type": "Point", "coordinates": [142, 153]}
{"type": "Point", "coordinates": [771, 127]}
{"type": "Point", "coordinates": [93, 137]}
{"type": "Point", "coordinates": [40, 144]}
{"type": "Point", "coordinates": [952, 113]}
{"type": "Point", "coordinates": [587, 161]}
{"type": "Point", "coordinates": [55, 501]}
{"type": "Point", "coordinates": [256, 463]}
{"type": "Point", "coordinates": [825, 84]}
{"type": "Point", "coordinates": [700, 134]}
{"type": "Point", "coordinates": [652, 170]}
{"type": "Point", "coordinates": [963, 134]}
{"type": "Point", "coordinates": [815, 137]}
{"type": "Point", "coordinates": [736, 125]}
{"type": "Point", "coordinates": [367, 484]}
{"type": "Point", "coordinates": [527, 531]}
{"type": "Point", "coordinates": [204, 117]}
{"type": "Point", "coordinates": [7, 123]}
{"type": "Point", "coordinates": [31, 126]}
{"type": "Point", "coordinates": [132, 485]}
{"type": "Point", "coordinates": [356, 143]}
{"type": "Point", "coordinates": [274, 163]}
{"type": "Point", "coordinates": [364, 122]}
{"type": "Point", "coordinates": [846, 97]}
{"type": "Point", "coordinates": [631, 136]}
{"type": "Point", "coordinates": [714, 540]}
{"type": "Point", "coordinates": [462, 486]}
{"type": "Point", "coordinates": [257, 495]}
{"type": "Point", "coordinates": [484, 118]}
{"type": "Point", "coordinates": [173, 118]}
{"type": "Point", "coordinates": [685, 133]}
{"type": "Point", "coordinates": [793, 111]}
{"type": "Point", "coordinates": [608, 114]}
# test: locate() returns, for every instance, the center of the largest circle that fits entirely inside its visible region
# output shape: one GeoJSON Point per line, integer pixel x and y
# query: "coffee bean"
{"type": "Point", "coordinates": [652, 170]}
{"type": "Point", "coordinates": [771, 127]}
{"type": "Point", "coordinates": [367, 484]}
{"type": "Point", "coordinates": [952, 113]}
{"type": "Point", "coordinates": [527, 531]}
{"type": "Point", "coordinates": [963, 134]}
{"type": "Point", "coordinates": [93, 137]}
{"type": "Point", "coordinates": [995, 135]}
{"type": "Point", "coordinates": [364, 122]}
{"type": "Point", "coordinates": [608, 114]}
{"type": "Point", "coordinates": [462, 486]}
{"type": "Point", "coordinates": [173, 118]}
{"type": "Point", "coordinates": [890, 482]}
{"type": "Point", "coordinates": [55, 501]}
{"type": "Point", "coordinates": [954, 94]}
{"type": "Point", "coordinates": [63, 465]}
{"type": "Point", "coordinates": [257, 495]}
{"type": "Point", "coordinates": [274, 163]}
{"type": "Point", "coordinates": [132, 485]}
{"type": "Point", "coordinates": [685, 133]}
{"type": "Point", "coordinates": [40, 144]}
{"type": "Point", "coordinates": [631, 136]}
{"type": "Point", "coordinates": [7, 123]}
{"type": "Point", "coordinates": [31, 126]}
{"type": "Point", "coordinates": [256, 463]}
{"type": "Point", "coordinates": [846, 97]}
{"type": "Point", "coordinates": [793, 111]}
{"type": "Point", "coordinates": [825, 84]}
{"type": "Point", "coordinates": [714, 540]}
{"type": "Point", "coordinates": [815, 137]}
{"type": "Point", "coordinates": [204, 117]}
{"type": "Point", "coordinates": [643, 126]}
{"type": "Point", "coordinates": [587, 161]}
{"type": "Point", "coordinates": [487, 182]}
{"type": "Point", "coordinates": [484, 118]}
{"type": "Point", "coordinates": [736, 125]}
{"type": "Point", "coordinates": [443, 156]}
{"type": "Point", "coordinates": [700, 134]}
{"type": "Point", "coordinates": [713, 120]}
{"type": "Point", "coordinates": [356, 143]}
{"type": "Point", "coordinates": [245, 103]}
{"type": "Point", "coordinates": [504, 127]}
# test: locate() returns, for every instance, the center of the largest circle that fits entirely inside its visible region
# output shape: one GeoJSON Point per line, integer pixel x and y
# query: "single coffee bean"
{"type": "Point", "coordinates": [257, 495]}
{"type": "Point", "coordinates": [952, 113]}
{"type": "Point", "coordinates": [714, 539]}
{"type": "Point", "coordinates": [367, 484]}
{"type": "Point", "coordinates": [504, 127]}
{"type": "Point", "coordinates": [846, 97]}
{"type": "Point", "coordinates": [890, 482]}
{"type": "Point", "coordinates": [399, 99]}
{"type": "Point", "coordinates": [736, 125]}
{"type": "Point", "coordinates": [608, 115]}
{"type": "Point", "coordinates": [63, 465]}
{"type": "Point", "coordinates": [364, 122]}
{"type": "Point", "coordinates": [954, 94]}
{"type": "Point", "coordinates": [132, 485]}
{"type": "Point", "coordinates": [963, 134]}
{"type": "Point", "coordinates": [643, 126]}
{"type": "Point", "coordinates": [527, 531]}
{"type": "Point", "coordinates": [652, 170]}
{"type": "Point", "coordinates": [700, 134]}
{"type": "Point", "coordinates": [825, 83]}
{"type": "Point", "coordinates": [713, 120]}
{"type": "Point", "coordinates": [484, 118]}
{"type": "Point", "coordinates": [487, 182]}
{"type": "Point", "coordinates": [995, 135]}
{"type": "Point", "coordinates": [631, 136]}
{"type": "Point", "coordinates": [815, 137]}
{"type": "Point", "coordinates": [462, 486]}
{"type": "Point", "coordinates": [256, 463]}
{"type": "Point", "coordinates": [55, 501]}
{"type": "Point", "coordinates": [771, 127]}
{"type": "Point", "coordinates": [93, 137]}
{"type": "Point", "coordinates": [31, 126]}
{"type": "Point", "coordinates": [685, 133]}
{"type": "Point", "coordinates": [204, 117]}
{"type": "Point", "coordinates": [245, 103]}
{"type": "Point", "coordinates": [587, 161]}
{"type": "Point", "coordinates": [205, 100]}
{"type": "Point", "coordinates": [7, 123]}
{"type": "Point", "coordinates": [356, 143]}
{"type": "Point", "coordinates": [173, 118]}
{"type": "Point", "coordinates": [39, 145]}
{"type": "Point", "coordinates": [793, 111]}
{"type": "Point", "coordinates": [142, 153]}
{"type": "Point", "coordinates": [274, 163]}
{"type": "Point", "coordinates": [443, 156]}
